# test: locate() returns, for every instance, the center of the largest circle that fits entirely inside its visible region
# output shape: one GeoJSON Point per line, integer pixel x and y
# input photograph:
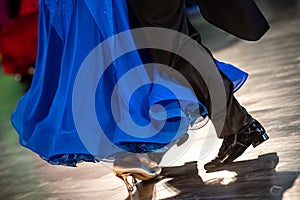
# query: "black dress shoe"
{"type": "Point", "coordinates": [235, 145]}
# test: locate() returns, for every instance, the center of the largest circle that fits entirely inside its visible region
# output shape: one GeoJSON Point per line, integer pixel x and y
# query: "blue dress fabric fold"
{"type": "Point", "coordinates": [137, 119]}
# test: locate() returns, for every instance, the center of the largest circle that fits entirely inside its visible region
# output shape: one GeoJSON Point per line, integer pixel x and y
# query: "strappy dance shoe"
{"type": "Point", "coordinates": [138, 167]}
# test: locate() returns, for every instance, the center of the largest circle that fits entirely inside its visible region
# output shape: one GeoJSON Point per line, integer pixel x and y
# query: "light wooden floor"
{"type": "Point", "coordinates": [270, 171]}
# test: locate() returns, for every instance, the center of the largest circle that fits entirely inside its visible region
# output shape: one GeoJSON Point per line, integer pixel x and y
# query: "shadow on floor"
{"type": "Point", "coordinates": [255, 179]}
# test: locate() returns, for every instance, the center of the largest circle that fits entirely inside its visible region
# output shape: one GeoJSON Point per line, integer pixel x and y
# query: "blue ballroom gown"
{"type": "Point", "coordinates": [59, 121]}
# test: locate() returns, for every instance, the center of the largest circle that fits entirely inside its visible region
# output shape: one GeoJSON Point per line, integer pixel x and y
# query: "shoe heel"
{"type": "Point", "coordinates": [123, 177]}
{"type": "Point", "coordinates": [260, 138]}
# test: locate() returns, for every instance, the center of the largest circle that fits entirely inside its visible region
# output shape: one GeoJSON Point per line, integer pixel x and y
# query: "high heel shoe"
{"type": "Point", "coordinates": [138, 168]}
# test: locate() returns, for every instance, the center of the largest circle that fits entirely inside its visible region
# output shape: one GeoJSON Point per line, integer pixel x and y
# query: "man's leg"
{"type": "Point", "coordinates": [172, 15]}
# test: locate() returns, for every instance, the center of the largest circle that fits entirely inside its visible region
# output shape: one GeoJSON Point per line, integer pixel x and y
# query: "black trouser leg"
{"type": "Point", "coordinates": [172, 15]}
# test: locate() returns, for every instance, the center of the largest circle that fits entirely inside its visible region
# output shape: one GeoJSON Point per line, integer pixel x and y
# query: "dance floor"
{"type": "Point", "coordinates": [270, 171]}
